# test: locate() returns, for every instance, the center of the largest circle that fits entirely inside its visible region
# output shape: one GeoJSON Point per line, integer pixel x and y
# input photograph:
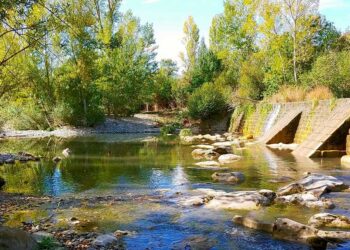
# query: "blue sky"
{"type": "Point", "coordinates": [168, 16]}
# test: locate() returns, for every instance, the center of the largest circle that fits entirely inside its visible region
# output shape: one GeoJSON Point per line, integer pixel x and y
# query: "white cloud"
{"type": "Point", "coordinates": [150, 1]}
{"type": "Point", "coordinates": [333, 4]}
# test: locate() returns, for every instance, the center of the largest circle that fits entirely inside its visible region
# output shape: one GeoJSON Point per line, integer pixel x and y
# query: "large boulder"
{"type": "Point", "coordinates": [308, 191]}
{"type": "Point", "coordinates": [232, 177]}
{"type": "Point", "coordinates": [228, 158]}
{"type": "Point", "coordinates": [208, 154]}
{"type": "Point", "coordinates": [348, 145]}
{"type": "Point", "coordinates": [329, 220]}
{"type": "Point", "coordinates": [15, 239]}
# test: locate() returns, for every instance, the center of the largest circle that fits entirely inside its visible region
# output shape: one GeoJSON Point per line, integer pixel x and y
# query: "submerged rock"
{"type": "Point", "coordinates": [329, 220]}
{"type": "Point", "coordinates": [208, 164]}
{"type": "Point", "coordinates": [281, 179]}
{"type": "Point", "coordinates": [282, 146]}
{"type": "Point", "coordinates": [15, 239]}
{"type": "Point", "coordinates": [308, 191]}
{"type": "Point", "coordinates": [195, 242]}
{"type": "Point", "coordinates": [203, 146]}
{"type": "Point", "coordinates": [228, 158]}
{"type": "Point", "coordinates": [232, 177]}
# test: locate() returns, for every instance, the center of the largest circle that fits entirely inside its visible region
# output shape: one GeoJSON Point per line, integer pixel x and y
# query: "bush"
{"type": "Point", "coordinates": [207, 101]}
{"type": "Point", "coordinates": [319, 93]}
{"type": "Point", "coordinates": [23, 116]}
{"type": "Point", "coordinates": [289, 94]}
{"type": "Point", "coordinates": [332, 70]}
{"type": "Point", "coordinates": [169, 129]}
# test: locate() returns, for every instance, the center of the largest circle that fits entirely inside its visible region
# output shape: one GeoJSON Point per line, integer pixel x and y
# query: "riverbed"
{"type": "Point", "coordinates": [128, 182]}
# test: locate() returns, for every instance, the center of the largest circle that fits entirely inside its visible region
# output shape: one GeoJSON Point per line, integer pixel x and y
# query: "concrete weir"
{"type": "Point", "coordinates": [319, 128]}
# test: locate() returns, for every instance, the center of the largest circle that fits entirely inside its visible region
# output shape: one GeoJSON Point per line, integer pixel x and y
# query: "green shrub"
{"type": "Point", "coordinates": [207, 101]}
{"type": "Point", "coordinates": [169, 129]}
{"type": "Point", "coordinates": [185, 132]}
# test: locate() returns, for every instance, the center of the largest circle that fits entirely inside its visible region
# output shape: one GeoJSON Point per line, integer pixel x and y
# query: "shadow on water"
{"type": "Point", "coordinates": [124, 165]}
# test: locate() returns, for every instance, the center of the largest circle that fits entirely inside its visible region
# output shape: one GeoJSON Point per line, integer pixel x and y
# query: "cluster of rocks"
{"type": "Point", "coordinates": [21, 157]}
{"type": "Point", "coordinates": [286, 229]}
{"type": "Point", "coordinates": [309, 191]}
{"type": "Point", "coordinates": [306, 192]}
{"type": "Point", "coordinates": [216, 149]}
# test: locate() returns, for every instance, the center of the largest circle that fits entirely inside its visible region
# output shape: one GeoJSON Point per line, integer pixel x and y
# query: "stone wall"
{"type": "Point", "coordinates": [257, 118]}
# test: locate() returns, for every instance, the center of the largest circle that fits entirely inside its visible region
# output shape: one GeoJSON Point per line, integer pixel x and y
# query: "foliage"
{"type": "Point", "coordinates": [332, 70]}
{"type": "Point", "coordinates": [47, 243]}
{"type": "Point", "coordinates": [169, 129]}
{"type": "Point", "coordinates": [206, 101]}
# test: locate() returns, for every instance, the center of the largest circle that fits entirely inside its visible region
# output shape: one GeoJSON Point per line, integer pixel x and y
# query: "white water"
{"type": "Point", "coordinates": [272, 117]}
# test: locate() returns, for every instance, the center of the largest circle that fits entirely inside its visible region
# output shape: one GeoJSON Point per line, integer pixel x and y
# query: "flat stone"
{"type": "Point", "coordinates": [208, 164]}
{"type": "Point", "coordinates": [239, 200]}
{"type": "Point", "coordinates": [228, 158]}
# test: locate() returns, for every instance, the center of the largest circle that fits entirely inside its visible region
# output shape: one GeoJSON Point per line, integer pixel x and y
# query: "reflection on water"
{"type": "Point", "coordinates": [124, 164]}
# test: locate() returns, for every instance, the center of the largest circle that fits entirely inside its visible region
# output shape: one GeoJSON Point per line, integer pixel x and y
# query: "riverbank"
{"type": "Point", "coordinates": [141, 124]}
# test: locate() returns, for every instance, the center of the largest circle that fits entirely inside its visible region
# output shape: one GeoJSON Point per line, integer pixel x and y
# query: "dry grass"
{"type": "Point", "coordinates": [319, 93]}
{"type": "Point", "coordinates": [289, 94]}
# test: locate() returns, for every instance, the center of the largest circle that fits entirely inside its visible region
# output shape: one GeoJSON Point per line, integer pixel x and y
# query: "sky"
{"type": "Point", "coordinates": [168, 17]}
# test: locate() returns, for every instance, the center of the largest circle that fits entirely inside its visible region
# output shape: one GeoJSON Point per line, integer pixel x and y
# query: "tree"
{"type": "Point", "coordinates": [190, 41]}
{"type": "Point", "coordinates": [207, 67]}
{"type": "Point", "coordinates": [297, 15]}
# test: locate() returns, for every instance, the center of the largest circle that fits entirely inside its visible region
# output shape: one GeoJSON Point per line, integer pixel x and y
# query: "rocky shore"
{"type": "Point", "coordinates": [131, 125]}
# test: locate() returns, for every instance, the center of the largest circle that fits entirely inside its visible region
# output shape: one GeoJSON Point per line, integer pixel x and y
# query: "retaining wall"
{"type": "Point", "coordinates": [255, 119]}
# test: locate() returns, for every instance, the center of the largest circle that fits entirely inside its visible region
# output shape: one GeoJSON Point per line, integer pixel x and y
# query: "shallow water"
{"type": "Point", "coordinates": [124, 165]}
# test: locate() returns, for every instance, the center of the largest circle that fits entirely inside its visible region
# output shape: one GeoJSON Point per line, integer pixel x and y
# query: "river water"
{"type": "Point", "coordinates": [125, 165]}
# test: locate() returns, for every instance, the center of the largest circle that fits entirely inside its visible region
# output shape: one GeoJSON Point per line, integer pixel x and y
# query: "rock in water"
{"type": "Point", "coordinates": [329, 220]}
{"type": "Point", "coordinates": [15, 239]}
{"type": "Point", "coordinates": [56, 159]}
{"type": "Point", "coordinates": [208, 163]}
{"type": "Point", "coordinates": [66, 152]}
{"type": "Point", "coordinates": [345, 160]}
{"type": "Point", "coordinates": [228, 158]}
{"type": "Point", "coordinates": [105, 240]}
{"type": "Point", "coordinates": [232, 177]}
{"type": "Point", "coordinates": [195, 242]}
{"type": "Point", "coordinates": [208, 154]}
